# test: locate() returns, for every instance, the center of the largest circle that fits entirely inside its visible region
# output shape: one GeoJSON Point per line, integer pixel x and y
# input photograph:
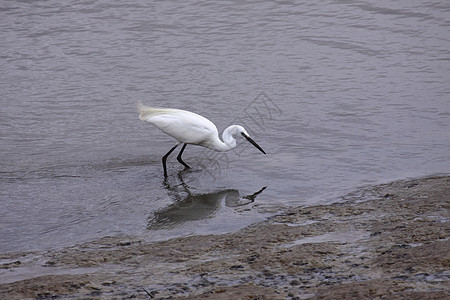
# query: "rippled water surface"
{"type": "Point", "coordinates": [340, 94]}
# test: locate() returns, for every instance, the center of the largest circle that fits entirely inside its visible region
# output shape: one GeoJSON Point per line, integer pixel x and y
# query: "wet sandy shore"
{"type": "Point", "coordinates": [389, 241]}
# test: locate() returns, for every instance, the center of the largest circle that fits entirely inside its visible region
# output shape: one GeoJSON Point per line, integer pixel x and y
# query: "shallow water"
{"type": "Point", "coordinates": [339, 94]}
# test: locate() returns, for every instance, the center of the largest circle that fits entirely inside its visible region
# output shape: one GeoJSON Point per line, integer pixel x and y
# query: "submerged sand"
{"type": "Point", "coordinates": [389, 241]}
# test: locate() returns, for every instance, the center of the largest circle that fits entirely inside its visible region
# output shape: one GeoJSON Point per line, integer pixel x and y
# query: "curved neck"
{"type": "Point", "coordinates": [228, 137]}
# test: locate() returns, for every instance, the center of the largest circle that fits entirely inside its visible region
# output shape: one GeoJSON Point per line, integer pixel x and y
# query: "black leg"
{"type": "Point", "coordinates": [165, 158]}
{"type": "Point", "coordinates": [179, 157]}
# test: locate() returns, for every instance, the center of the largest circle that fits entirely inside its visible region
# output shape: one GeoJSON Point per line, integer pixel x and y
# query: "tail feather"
{"type": "Point", "coordinates": [145, 111]}
{"type": "Point", "coordinates": [140, 106]}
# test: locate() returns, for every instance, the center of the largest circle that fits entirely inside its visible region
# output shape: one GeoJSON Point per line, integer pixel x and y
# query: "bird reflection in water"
{"type": "Point", "coordinates": [189, 206]}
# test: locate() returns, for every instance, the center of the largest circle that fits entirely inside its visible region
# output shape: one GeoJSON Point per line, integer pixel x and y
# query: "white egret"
{"type": "Point", "coordinates": [189, 128]}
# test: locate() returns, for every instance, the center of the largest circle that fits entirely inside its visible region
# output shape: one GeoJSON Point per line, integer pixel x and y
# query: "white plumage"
{"type": "Point", "coordinates": [190, 128]}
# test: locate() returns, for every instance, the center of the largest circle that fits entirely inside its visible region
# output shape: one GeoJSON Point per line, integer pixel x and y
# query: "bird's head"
{"type": "Point", "coordinates": [245, 134]}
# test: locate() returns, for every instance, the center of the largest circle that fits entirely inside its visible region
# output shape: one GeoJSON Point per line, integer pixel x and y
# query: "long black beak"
{"type": "Point", "coordinates": [252, 142]}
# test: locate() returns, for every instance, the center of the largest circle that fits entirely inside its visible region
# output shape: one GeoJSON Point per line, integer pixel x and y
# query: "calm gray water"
{"type": "Point", "coordinates": [340, 94]}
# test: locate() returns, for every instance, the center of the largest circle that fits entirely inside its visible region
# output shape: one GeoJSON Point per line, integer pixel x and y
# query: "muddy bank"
{"type": "Point", "coordinates": [389, 240]}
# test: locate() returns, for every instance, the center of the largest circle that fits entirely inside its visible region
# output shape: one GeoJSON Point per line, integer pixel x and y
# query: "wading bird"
{"type": "Point", "coordinates": [189, 128]}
